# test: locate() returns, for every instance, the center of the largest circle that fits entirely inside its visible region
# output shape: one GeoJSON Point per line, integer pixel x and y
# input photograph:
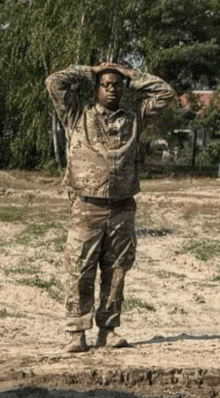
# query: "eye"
{"type": "Point", "coordinates": [107, 86]}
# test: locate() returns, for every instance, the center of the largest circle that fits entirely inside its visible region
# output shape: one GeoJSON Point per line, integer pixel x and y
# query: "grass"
{"type": "Point", "coordinates": [143, 220]}
{"type": "Point", "coordinates": [41, 213]}
{"type": "Point", "coordinates": [44, 226]}
{"type": "Point", "coordinates": [131, 302]}
{"type": "Point", "coordinates": [39, 229]}
{"type": "Point", "coordinates": [59, 242]}
{"type": "Point", "coordinates": [4, 313]}
{"type": "Point", "coordinates": [190, 211]}
{"type": "Point", "coordinates": [23, 267]}
{"type": "Point", "coordinates": [38, 222]}
{"type": "Point", "coordinates": [216, 278]}
{"type": "Point", "coordinates": [176, 184]}
{"type": "Point", "coordinates": [35, 233]}
{"type": "Point", "coordinates": [38, 282]}
{"type": "Point", "coordinates": [27, 239]}
{"type": "Point", "coordinates": [203, 250]}
{"type": "Point", "coordinates": [143, 216]}
{"type": "Point", "coordinates": [13, 214]}
{"type": "Point", "coordinates": [53, 286]}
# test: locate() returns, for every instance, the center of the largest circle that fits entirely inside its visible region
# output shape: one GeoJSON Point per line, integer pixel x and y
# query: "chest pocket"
{"type": "Point", "coordinates": [108, 130]}
{"type": "Point", "coordinates": [126, 131]}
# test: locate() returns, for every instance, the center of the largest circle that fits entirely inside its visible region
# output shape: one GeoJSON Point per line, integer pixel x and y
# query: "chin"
{"type": "Point", "coordinates": [112, 107]}
{"type": "Point", "coordinates": [112, 104]}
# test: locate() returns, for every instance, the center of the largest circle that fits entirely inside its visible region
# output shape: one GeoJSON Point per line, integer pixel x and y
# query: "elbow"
{"type": "Point", "coordinates": [173, 96]}
{"type": "Point", "coordinates": [50, 84]}
{"type": "Point", "coordinates": [47, 82]}
{"type": "Point", "coordinates": [173, 93]}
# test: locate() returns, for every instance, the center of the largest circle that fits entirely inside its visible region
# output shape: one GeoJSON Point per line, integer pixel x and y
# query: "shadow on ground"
{"type": "Point", "coordinates": [162, 339]}
{"type": "Point", "coordinates": [44, 393]}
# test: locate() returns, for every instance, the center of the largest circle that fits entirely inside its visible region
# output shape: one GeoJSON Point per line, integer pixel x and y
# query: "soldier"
{"type": "Point", "coordinates": [102, 178]}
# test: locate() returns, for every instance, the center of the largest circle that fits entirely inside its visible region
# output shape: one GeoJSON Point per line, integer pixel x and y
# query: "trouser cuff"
{"type": "Point", "coordinates": [111, 322]}
{"type": "Point", "coordinates": [79, 323]}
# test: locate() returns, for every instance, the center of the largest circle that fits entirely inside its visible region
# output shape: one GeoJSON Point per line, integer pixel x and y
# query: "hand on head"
{"type": "Point", "coordinates": [111, 67]}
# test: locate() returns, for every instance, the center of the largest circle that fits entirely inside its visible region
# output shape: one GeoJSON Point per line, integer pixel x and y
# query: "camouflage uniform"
{"type": "Point", "coordinates": [102, 174]}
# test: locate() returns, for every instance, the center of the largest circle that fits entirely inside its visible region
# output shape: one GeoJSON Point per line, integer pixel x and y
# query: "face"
{"type": "Point", "coordinates": [109, 90]}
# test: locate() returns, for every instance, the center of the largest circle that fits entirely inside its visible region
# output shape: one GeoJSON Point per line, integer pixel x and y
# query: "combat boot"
{"type": "Point", "coordinates": [77, 342]}
{"type": "Point", "coordinates": [108, 337]}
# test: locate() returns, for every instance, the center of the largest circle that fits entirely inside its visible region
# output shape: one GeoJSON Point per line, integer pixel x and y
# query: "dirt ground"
{"type": "Point", "coordinates": [171, 313]}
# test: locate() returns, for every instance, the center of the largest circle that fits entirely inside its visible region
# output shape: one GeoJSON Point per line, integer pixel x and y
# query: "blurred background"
{"type": "Point", "coordinates": [178, 41]}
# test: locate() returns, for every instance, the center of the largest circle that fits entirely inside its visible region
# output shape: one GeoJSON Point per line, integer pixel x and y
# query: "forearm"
{"type": "Point", "coordinates": [154, 93]}
{"type": "Point", "coordinates": [67, 89]}
{"type": "Point", "coordinates": [70, 76]}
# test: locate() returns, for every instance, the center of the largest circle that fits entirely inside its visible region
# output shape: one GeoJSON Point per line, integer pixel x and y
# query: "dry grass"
{"type": "Point", "coordinates": [178, 184]}
{"type": "Point", "coordinates": [44, 222]}
{"type": "Point", "coordinates": [34, 232]}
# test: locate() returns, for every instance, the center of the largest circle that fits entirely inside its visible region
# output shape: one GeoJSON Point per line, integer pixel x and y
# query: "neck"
{"type": "Point", "coordinates": [109, 108]}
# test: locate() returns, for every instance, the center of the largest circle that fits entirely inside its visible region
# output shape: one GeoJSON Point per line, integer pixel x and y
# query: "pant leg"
{"type": "Point", "coordinates": [118, 255]}
{"type": "Point", "coordinates": [83, 247]}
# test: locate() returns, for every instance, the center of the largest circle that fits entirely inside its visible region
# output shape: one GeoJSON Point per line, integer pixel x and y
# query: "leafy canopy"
{"type": "Point", "coordinates": [179, 41]}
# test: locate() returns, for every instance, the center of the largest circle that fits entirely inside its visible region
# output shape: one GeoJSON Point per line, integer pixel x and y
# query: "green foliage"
{"type": "Point", "coordinates": [131, 302]}
{"type": "Point", "coordinates": [38, 282]}
{"type": "Point", "coordinates": [213, 151]}
{"type": "Point", "coordinates": [209, 123]}
{"type": "Point", "coordinates": [182, 40]}
{"type": "Point", "coordinates": [49, 168]}
{"type": "Point", "coordinates": [210, 154]}
{"type": "Point", "coordinates": [203, 250]}
{"type": "Point", "coordinates": [178, 41]}
{"type": "Point", "coordinates": [38, 38]}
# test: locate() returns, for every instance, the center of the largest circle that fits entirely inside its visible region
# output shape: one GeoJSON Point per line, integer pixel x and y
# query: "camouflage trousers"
{"type": "Point", "coordinates": [99, 236]}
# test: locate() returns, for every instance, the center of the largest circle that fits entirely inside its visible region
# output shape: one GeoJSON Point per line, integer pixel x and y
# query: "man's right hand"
{"type": "Point", "coordinates": [128, 73]}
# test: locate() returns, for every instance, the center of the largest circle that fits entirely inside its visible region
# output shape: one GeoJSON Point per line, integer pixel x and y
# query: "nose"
{"type": "Point", "coordinates": [112, 88]}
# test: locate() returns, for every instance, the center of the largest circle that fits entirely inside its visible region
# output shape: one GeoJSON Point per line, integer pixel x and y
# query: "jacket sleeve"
{"type": "Point", "coordinates": [152, 93]}
{"type": "Point", "coordinates": [70, 90]}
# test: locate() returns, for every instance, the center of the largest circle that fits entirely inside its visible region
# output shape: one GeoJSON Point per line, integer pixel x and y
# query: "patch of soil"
{"type": "Point", "coordinates": [173, 349]}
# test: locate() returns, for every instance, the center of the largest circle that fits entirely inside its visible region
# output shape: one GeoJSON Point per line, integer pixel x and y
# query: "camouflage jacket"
{"type": "Point", "coordinates": [102, 156]}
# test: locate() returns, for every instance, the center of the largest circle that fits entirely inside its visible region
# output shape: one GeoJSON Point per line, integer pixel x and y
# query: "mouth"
{"type": "Point", "coordinates": [112, 97]}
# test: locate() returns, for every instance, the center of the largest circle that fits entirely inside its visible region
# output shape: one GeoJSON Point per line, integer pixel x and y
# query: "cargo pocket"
{"type": "Point", "coordinates": [127, 257]}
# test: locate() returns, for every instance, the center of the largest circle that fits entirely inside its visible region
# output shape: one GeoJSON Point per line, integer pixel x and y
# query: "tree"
{"type": "Point", "coordinates": [209, 123]}
{"type": "Point", "coordinates": [38, 38]}
{"type": "Point", "coordinates": [178, 41]}
{"type": "Point", "coordinates": [181, 40]}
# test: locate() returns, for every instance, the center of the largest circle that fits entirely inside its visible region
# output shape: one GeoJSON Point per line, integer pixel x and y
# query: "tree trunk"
{"type": "Point", "coordinates": [55, 140]}
{"type": "Point", "coordinates": [112, 53]}
{"type": "Point", "coordinates": [50, 143]}
{"type": "Point", "coordinates": [194, 150]}
{"type": "Point", "coordinates": [80, 38]}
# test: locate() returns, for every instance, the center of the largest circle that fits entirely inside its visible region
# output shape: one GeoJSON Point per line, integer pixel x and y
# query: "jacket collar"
{"type": "Point", "coordinates": [111, 114]}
